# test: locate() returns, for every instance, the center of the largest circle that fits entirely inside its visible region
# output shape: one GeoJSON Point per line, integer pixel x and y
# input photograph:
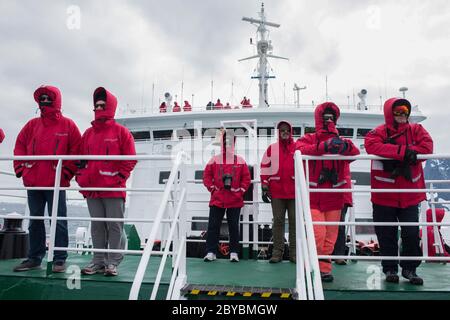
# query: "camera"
{"type": "Point", "coordinates": [328, 175]}
{"type": "Point", "coordinates": [227, 179]}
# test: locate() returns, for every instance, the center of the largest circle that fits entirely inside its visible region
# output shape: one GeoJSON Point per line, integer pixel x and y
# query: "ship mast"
{"type": "Point", "coordinates": [265, 48]}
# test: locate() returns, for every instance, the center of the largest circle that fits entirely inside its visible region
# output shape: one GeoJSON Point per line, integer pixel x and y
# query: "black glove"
{"type": "Point", "coordinates": [410, 157]}
{"type": "Point", "coordinates": [266, 194]}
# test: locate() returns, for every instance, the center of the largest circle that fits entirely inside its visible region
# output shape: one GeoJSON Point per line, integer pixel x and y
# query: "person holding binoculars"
{"type": "Point", "coordinates": [400, 141]}
{"type": "Point", "coordinates": [278, 188]}
{"type": "Point", "coordinates": [227, 177]}
{"type": "Point", "coordinates": [327, 174]}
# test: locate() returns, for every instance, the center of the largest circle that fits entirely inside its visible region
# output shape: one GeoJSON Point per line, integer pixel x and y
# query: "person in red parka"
{"type": "Point", "coordinates": [50, 134]}
{"type": "Point", "coordinates": [227, 177]}
{"type": "Point", "coordinates": [400, 141]}
{"type": "Point", "coordinates": [2, 135]}
{"type": "Point", "coordinates": [187, 107]}
{"type": "Point", "coordinates": [218, 105]}
{"type": "Point", "coordinates": [163, 107]}
{"type": "Point", "coordinates": [327, 174]}
{"type": "Point", "coordinates": [176, 107]}
{"type": "Point", "coordinates": [277, 181]}
{"type": "Point", "coordinates": [105, 137]}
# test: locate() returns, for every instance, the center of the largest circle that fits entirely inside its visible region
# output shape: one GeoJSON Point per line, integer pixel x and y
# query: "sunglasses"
{"type": "Point", "coordinates": [400, 114]}
{"type": "Point", "coordinates": [44, 98]}
{"type": "Point", "coordinates": [100, 105]}
{"type": "Point", "coordinates": [328, 117]}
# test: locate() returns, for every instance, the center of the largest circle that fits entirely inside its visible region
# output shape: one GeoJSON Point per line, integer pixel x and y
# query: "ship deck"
{"type": "Point", "coordinates": [351, 281]}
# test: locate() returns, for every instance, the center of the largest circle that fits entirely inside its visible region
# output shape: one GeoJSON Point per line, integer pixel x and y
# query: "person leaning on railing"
{"type": "Point", "coordinates": [105, 137]}
{"type": "Point", "coordinates": [50, 134]}
{"type": "Point", "coordinates": [327, 174]}
{"type": "Point", "coordinates": [278, 188]}
{"type": "Point", "coordinates": [400, 141]}
{"type": "Point", "coordinates": [227, 177]}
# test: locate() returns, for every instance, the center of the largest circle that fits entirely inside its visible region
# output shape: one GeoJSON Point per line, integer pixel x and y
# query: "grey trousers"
{"type": "Point", "coordinates": [107, 235]}
{"type": "Point", "coordinates": [279, 207]}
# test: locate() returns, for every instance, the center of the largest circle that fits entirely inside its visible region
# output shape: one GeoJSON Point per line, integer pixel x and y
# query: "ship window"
{"type": "Point", "coordinates": [361, 178]}
{"type": "Point", "coordinates": [141, 135]}
{"type": "Point", "coordinates": [367, 230]}
{"type": "Point", "coordinates": [346, 132]}
{"type": "Point", "coordinates": [164, 176]}
{"type": "Point", "coordinates": [186, 133]}
{"type": "Point", "coordinates": [310, 130]}
{"type": "Point", "coordinates": [297, 131]}
{"type": "Point", "coordinates": [199, 224]}
{"type": "Point", "coordinates": [198, 175]}
{"type": "Point", "coordinates": [361, 133]}
{"type": "Point", "coordinates": [162, 134]}
{"type": "Point", "coordinates": [266, 131]}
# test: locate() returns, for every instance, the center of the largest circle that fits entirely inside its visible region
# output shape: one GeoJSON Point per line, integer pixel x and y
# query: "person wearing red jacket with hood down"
{"type": "Point", "coordinates": [400, 141]}
{"type": "Point", "coordinates": [2, 135]}
{"type": "Point", "coordinates": [277, 182]}
{"type": "Point", "coordinates": [106, 137]}
{"type": "Point", "coordinates": [227, 177]}
{"type": "Point", "coordinates": [50, 134]}
{"type": "Point", "coordinates": [327, 174]}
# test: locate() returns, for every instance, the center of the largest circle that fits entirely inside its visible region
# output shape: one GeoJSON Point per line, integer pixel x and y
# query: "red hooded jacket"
{"type": "Point", "coordinates": [50, 134]}
{"type": "Point", "coordinates": [405, 136]}
{"type": "Point", "coordinates": [277, 167]}
{"type": "Point", "coordinates": [106, 137]}
{"type": "Point", "coordinates": [226, 163]}
{"type": "Point", "coordinates": [2, 135]}
{"type": "Point", "coordinates": [187, 106]}
{"type": "Point", "coordinates": [314, 144]}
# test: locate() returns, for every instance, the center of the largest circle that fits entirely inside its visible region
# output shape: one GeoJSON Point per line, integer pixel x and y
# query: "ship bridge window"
{"type": "Point", "coordinates": [198, 175]}
{"type": "Point", "coordinates": [310, 130]}
{"type": "Point", "coordinates": [297, 131]}
{"type": "Point", "coordinates": [266, 131]}
{"type": "Point", "coordinates": [164, 176]}
{"type": "Point", "coordinates": [186, 133]}
{"type": "Point", "coordinates": [361, 133]}
{"type": "Point", "coordinates": [346, 132]}
{"type": "Point", "coordinates": [361, 178]}
{"type": "Point", "coordinates": [162, 134]}
{"type": "Point", "coordinates": [140, 135]}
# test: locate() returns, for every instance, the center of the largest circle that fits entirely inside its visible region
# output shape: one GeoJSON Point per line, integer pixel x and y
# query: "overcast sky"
{"type": "Point", "coordinates": [127, 46]}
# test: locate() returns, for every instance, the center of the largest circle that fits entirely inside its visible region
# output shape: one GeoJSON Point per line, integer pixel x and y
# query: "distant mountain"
{"type": "Point", "coordinates": [439, 169]}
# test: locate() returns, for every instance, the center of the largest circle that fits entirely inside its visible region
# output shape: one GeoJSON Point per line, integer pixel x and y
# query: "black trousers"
{"type": "Point", "coordinates": [216, 215]}
{"type": "Point", "coordinates": [340, 245]}
{"type": "Point", "coordinates": [388, 236]}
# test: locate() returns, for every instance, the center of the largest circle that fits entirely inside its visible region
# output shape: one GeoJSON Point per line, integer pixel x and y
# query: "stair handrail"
{"type": "Point", "coordinates": [145, 259]}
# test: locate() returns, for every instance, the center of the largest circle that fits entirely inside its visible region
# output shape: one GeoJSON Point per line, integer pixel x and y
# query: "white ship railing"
{"type": "Point", "coordinates": [175, 188]}
{"type": "Point", "coordinates": [309, 286]}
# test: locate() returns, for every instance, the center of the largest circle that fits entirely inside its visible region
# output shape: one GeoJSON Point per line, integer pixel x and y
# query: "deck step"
{"type": "Point", "coordinates": [225, 291]}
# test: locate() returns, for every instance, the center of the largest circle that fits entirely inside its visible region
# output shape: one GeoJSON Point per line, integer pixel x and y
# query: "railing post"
{"type": "Point", "coordinates": [318, 290]}
{"type": "Point", "coordinates": [183, 221]}
{"type": "Point", "coordinates": [54, 218]}
{"type": "Point", "coordinates": [301, 245]}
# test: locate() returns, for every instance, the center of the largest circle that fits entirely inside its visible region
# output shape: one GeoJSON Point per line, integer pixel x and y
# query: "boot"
{"type": "Point", "coordinates": [412, 277]}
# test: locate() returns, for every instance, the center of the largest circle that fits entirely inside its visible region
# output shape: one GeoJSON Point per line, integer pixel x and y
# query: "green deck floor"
{"type": "Point", "coordinates": [351, 281]}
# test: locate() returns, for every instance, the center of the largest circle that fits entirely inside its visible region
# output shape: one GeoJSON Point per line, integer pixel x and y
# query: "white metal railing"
{"type": "Point", "coordinates": [139, 277]}
{"type": "Point", "coordinates": [307, 268]}
{"type": "Point", "coordinates": [180, 199]}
